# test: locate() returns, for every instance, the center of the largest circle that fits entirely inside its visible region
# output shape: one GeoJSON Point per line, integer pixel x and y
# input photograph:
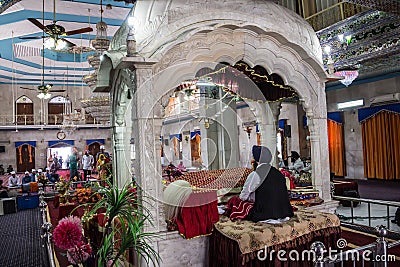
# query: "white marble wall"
{"type": "Point", "coordinates": [352, 128]}
{"type": "Point", "coordinates": [177, 251]}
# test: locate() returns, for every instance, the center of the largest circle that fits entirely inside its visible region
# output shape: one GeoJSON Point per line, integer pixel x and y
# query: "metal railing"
{"type": "Point", "coordinates": [46, 229]}
{"type": "Point", "coordinates": [50, 119]}
{"type": "Point", "coordinates": [334, 14]}
{"type": "Point", "coordinates": [388, 204]}
{"type": "Point", "coordinates": [374, 254]}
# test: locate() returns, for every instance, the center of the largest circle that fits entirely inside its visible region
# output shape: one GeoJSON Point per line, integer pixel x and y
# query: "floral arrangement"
{"type": "Point", "coordinates": [42, 179]}
{"type": "Point", "coordinates": [68, 236]}
{"type": "Point", "coordinates": [86, 195]}
{"type": "Point", "coordinates": [305, 178]}
{"type": "Point", "coordinates": [62, 185]}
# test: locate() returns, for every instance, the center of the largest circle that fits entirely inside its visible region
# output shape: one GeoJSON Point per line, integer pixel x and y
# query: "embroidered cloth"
{"type": "Point", "coordinates": [303, 227]}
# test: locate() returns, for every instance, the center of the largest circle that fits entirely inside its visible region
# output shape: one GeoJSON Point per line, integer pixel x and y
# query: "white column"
{"type": "Point", "coordinates": [320, 155]}
{"type": "Point", "coordinates": [121, 157]}
{"type": "Point", "coordinates": [146, 129]}
{"type": "Point", "coordinates": [229, 133]}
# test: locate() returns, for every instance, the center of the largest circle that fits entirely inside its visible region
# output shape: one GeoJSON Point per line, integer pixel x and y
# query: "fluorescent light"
{"type": "Point", "coordinates": [350, 104]}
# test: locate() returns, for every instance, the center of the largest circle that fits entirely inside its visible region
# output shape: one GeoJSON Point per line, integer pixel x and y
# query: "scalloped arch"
{"type": "Point", "coordinates": [231, 46]}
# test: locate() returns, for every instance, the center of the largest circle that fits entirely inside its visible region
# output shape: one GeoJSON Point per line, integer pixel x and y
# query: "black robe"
{"type": "Point", "coordinates": [271, 197]}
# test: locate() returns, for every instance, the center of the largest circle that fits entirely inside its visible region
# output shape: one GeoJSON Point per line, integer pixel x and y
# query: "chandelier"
{"type": "Point", "coordinates": [349, 76]}
{"type": "Point", "coordinates": [98, 106]}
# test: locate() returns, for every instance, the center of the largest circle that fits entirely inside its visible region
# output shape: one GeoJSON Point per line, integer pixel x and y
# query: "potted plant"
{"type": "Point", "coordinates": [126, 218]}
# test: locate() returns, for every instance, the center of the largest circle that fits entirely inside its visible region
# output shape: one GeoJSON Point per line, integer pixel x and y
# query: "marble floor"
{"type": "Point", "coordinates": [378, 215]}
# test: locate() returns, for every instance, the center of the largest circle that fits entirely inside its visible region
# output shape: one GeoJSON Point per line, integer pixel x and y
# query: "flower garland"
{"type": "Point", "coordinates": [86, 195]}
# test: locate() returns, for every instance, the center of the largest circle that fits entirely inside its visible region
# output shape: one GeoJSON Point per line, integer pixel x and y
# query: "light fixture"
{"type": "Point", "coordinates": [130, 39]}
{"type": "Point", "coordinates": [44, 95]}
{"type": "Point", "coordinates": [351, 104]}
{"type": "Point", "coordinates": [348, 39]}
{"type": "Point", "coordinates": [349, 76]}
{"type": "Point", "coordinates": [56, 44]}
{"type": "Point", "coordinates": [327, 49]}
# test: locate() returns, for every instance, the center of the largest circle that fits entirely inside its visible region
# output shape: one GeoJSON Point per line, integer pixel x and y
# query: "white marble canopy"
{"type": "Point", "coordinates": [175, 39]}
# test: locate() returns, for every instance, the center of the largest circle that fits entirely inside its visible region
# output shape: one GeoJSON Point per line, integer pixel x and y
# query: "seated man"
{"type": "Point", "coordinates": [26, 182]}
{"type": "Point", "coordinates": [266, 187]}
{"type": "Point", "coordinates": [54, 177]}
{"type": "Point", "coordinates": [13, 181]}
{"type": "Point", "coordinates": [297, 163]}
{"type": "Point", "coordinates": [34, 175]}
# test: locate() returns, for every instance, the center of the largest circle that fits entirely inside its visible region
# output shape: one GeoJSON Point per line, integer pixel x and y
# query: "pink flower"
{"type": "Point", "coordinates": [68, 232]}
{"type": "Point", "coordinates": [79, 253]}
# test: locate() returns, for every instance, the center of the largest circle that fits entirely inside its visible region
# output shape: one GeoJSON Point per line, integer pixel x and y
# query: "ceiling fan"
{"type": "Point", "coordinates": [55, 32]}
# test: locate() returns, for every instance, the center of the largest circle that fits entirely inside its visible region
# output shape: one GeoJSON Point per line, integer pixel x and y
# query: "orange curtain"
{"type": "Point", "coordinates": [176, 146]}
{"type": "Point", "coordinates": [20, 154]}
{"type": "Point", "coordinates": [30, 153]}
{"type": "Point", "coordinates": [381, 145]}
{"type": "Point", "coordinates": [337, 161]}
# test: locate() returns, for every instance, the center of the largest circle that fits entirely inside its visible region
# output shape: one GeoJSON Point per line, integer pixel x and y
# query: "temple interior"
{"type": "Point", "coordinates": [200, 133]}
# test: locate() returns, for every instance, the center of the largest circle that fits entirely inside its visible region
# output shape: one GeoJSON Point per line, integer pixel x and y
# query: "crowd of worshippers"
{"type": "Point", "coordinates": [15, 181]}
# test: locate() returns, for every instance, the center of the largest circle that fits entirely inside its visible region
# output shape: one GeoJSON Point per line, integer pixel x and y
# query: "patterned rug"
{"type": "Point", "coordinates": [252, 237]}
{"type": "Point", "coordinates": [21, 245]}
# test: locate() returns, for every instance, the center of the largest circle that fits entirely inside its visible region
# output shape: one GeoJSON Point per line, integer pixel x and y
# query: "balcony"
{"type": "Point", "coordinates": [51, 120]}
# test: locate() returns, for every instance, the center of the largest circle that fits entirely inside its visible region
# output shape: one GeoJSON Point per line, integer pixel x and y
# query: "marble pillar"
{"type": "Point", "coordinates": [267, 115]}
{"type": "Point", "coordinates": [121, 171]}
{"type": "Point", "coordinates": [229, 132]}
{"type": "Point", "coordinates": [319, 156]}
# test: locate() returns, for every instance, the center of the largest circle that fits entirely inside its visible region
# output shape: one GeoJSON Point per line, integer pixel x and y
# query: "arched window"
{"type": "Point", "coordinates": [56, 108]}
{"type": "Point", "coordinates": [24, 111]}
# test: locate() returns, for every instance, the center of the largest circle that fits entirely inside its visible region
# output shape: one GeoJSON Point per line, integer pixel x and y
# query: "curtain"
{"type": "Point", "coordinates": [381, 145]}
{"type": "Point", "coordinates": [176, 147]}
{"type": "Point", "coordinates": [337, 161]}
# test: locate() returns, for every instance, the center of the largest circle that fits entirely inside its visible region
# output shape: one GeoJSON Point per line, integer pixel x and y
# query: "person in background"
{"type": "Point", "coordinates": [60, 162]}
{"type": "Point", "coordinates": [9, 169]}
{"type": "Point", "coordinates": [55, 158]}
{"type": "Point", "coordinates": [25, 182]}
{"type": "Point", "coordinates": [87, 165]}
{"type": "Point", "coordinates": [47, 174]}
{"type": "Point", "coordinates": [33, 175]}
{"type": "Point", "coordinates": [181, 167]}
{"type": "Point", "coordinates": [13, 181]}
{"type": "Point", "coordinates": [1, 169]}
{"type": "Point", "coordinates": [50, 161]}
{"type": "Point", "coordinates": [26, 179]}
{"type": "Point", "coordinates": [297, 163]}
{"type": "Point", "coordinates": [39, 172]}
{"type": "Point", "coordinates": [3, 190]}
{"type": "Point", "coordinates": [73, 165]}
{"type": "Point", "coordinates": [102, 152]}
